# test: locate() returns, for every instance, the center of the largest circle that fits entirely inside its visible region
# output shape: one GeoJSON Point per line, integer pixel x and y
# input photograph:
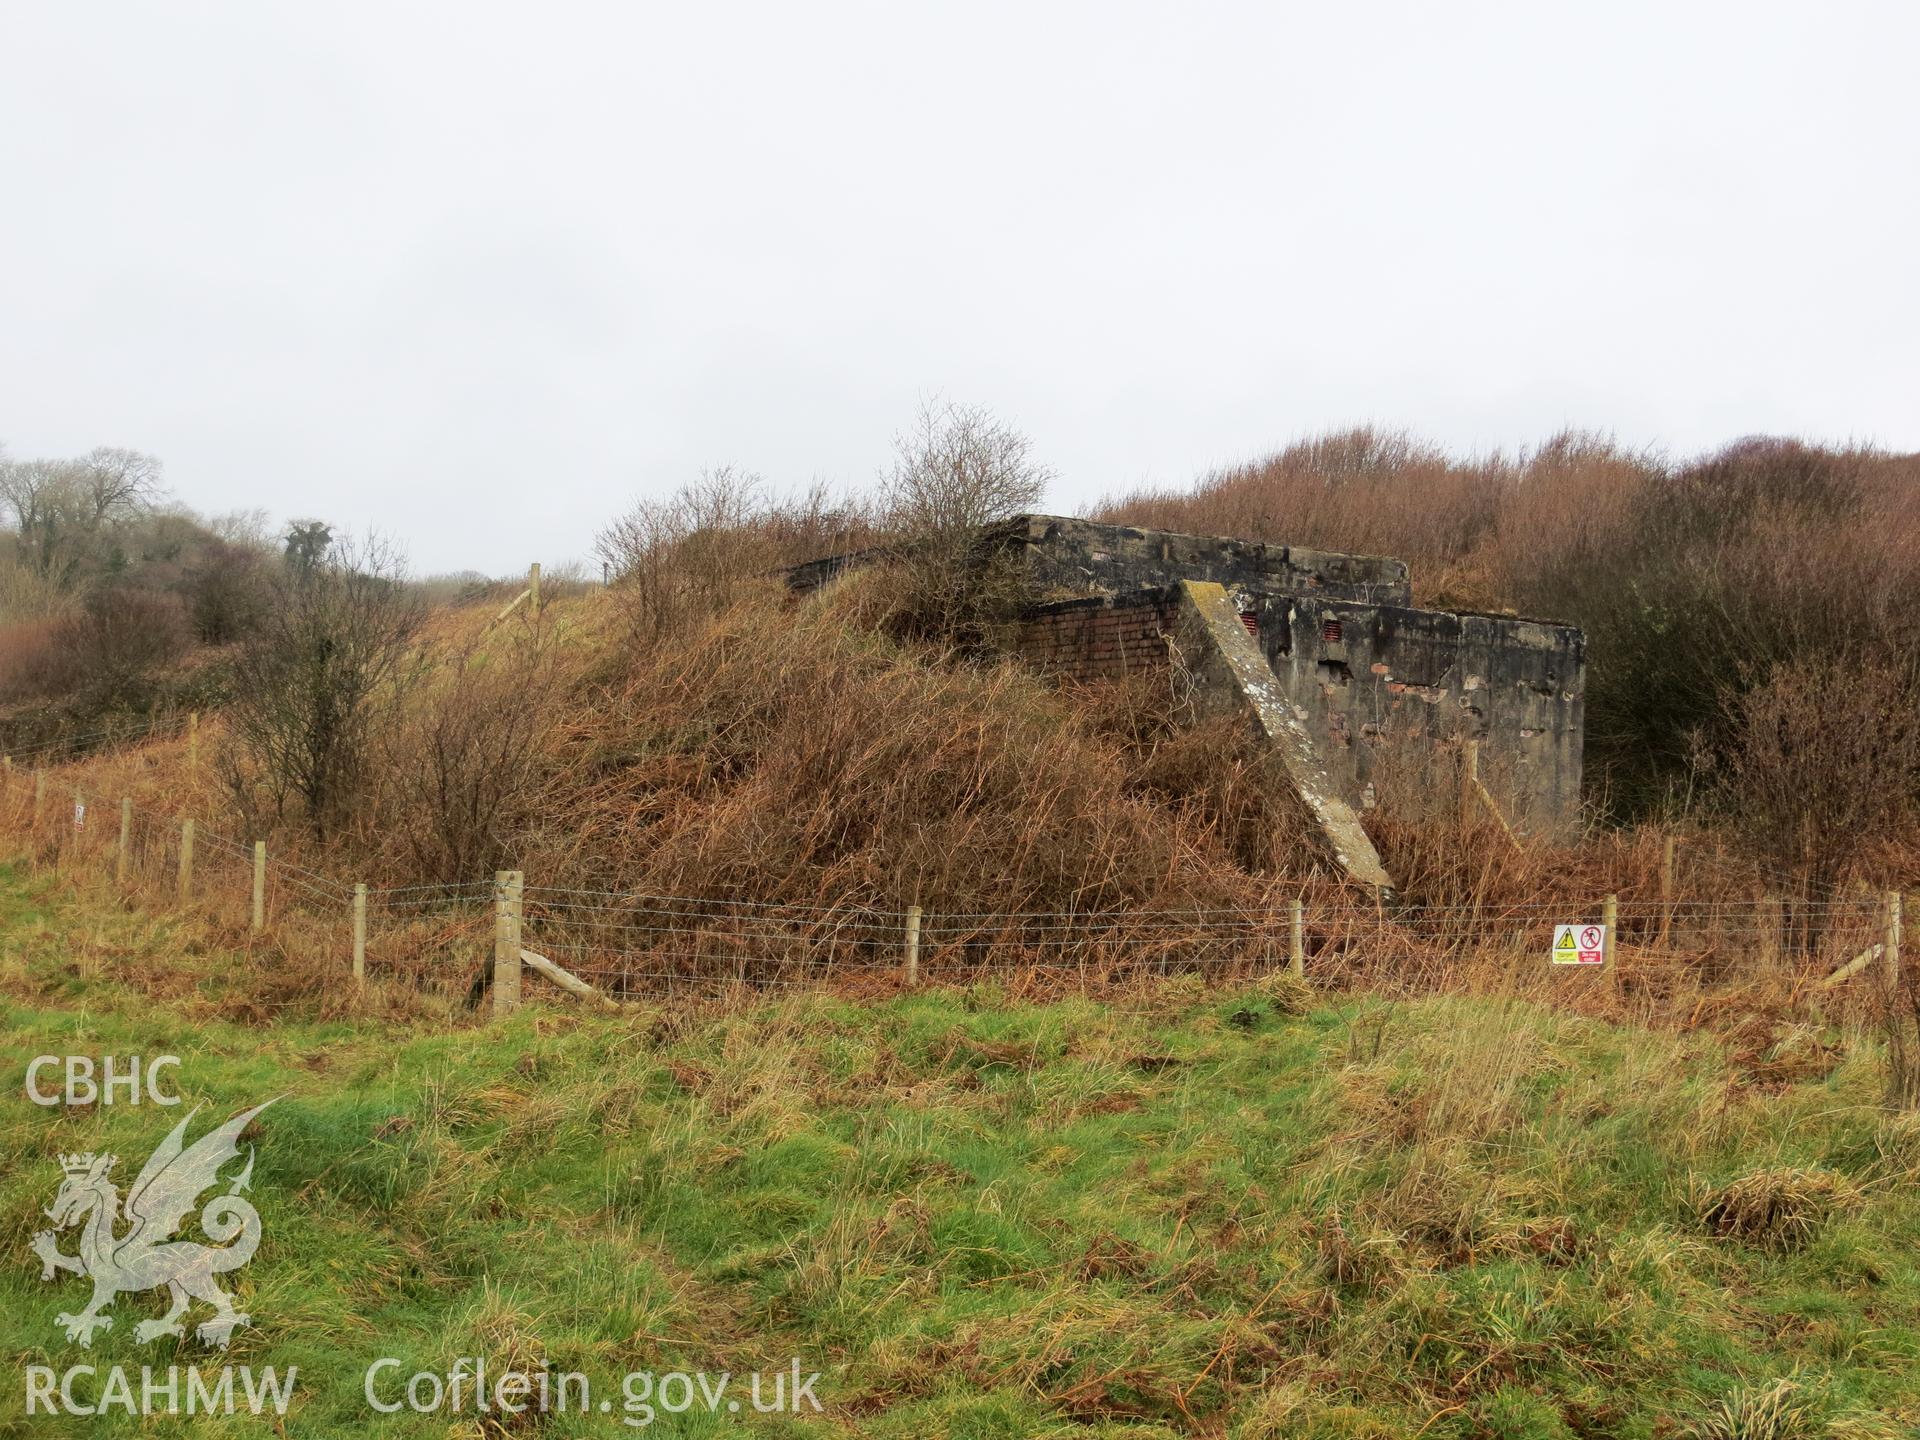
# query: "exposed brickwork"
{"type": "Point", "coordinates": [1098, 638]}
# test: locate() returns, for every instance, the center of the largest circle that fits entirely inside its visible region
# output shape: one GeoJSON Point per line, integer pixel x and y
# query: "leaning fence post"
{"type": "Point", "coordinates": [506, 940]}
{"type": "Point", "coordinates": [126, 839]}
{"type": "Point", "coordinates": [1893, 937]}
{"type": "Point", "coordinates": [913, 946]}
{"type": "Point", "coordinates": [1297, 948]}
{"type": "Point", "coordinates": [186, 861]}
{"type": "Point", "coordinates": [360, 934]}
{"type": "Point", "coordinates": [259, 885]}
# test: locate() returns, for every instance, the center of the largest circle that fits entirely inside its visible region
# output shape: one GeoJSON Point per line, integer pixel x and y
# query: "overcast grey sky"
{"type": "Point", "coordinates": [480, 274]}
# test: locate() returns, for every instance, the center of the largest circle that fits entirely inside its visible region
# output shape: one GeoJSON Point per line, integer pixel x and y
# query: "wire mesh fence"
{"type": "Point", "coordinates": [444, 938]}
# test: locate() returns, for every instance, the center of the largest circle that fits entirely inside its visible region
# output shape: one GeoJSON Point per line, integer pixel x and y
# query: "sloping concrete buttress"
{"type": "Point", "coordinates": [1232, 676]}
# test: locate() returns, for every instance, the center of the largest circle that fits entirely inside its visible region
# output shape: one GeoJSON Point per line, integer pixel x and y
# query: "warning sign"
{"type": "Point", "coordinates": [1579, 944]}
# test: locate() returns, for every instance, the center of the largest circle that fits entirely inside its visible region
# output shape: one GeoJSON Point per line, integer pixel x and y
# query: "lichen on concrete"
{"type": "Point", "coordinates": [1233, 676]}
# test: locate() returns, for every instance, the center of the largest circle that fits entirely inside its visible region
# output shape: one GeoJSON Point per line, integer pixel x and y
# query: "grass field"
{"type": "Point", "coordinates": [1257, 1213]}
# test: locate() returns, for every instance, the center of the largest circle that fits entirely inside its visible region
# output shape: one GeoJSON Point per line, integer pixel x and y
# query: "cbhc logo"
{"type": "Point", "coordinates": [126, 1078]}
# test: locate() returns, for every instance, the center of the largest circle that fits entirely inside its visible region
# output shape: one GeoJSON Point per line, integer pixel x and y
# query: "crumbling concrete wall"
{"type": "Point", "coordinates": [1360, 667]}
{"type": "Point", "coordinates": [1068, 557]}
{"type": "Point", "coordinates": [1364, 675]}
{"type": "Point", "coordinates": [1231, 675]}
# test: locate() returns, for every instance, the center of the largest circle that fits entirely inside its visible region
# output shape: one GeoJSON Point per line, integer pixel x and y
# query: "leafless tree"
{"type": "Point", "coordinates": [313, 679]}
{"type": "Point", "coordinates": [115, 483]}
{"type": "Point", "coordinates": [65, 511]}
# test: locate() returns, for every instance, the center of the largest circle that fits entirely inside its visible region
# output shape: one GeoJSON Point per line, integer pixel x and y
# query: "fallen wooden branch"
{"type": "Point", "coordinates": [566, 980]}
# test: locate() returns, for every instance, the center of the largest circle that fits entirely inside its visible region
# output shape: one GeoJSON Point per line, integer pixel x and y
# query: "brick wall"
{"type": "Point", "coordinates": [1098, 638]}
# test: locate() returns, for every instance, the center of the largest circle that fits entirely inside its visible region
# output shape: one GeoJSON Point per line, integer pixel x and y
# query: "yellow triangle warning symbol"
{"type": "Point", "coordinates": [1565, 942]}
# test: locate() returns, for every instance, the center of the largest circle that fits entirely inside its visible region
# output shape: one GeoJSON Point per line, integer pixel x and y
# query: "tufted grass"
{"type": "Point", "coordinates": [1190, 1212]}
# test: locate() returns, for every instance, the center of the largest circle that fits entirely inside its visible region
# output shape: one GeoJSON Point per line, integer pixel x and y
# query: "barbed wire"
{"type": "Point", "coordinates": [138, 731]}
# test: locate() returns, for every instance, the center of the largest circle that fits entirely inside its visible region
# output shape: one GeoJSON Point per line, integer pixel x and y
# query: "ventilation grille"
{"type": "Point", "coordinates": [1330, 631]}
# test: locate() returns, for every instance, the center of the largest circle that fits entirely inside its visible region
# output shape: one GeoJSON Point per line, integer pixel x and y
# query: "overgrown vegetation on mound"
{"type": "Point", "coordinates": [1748, 614]}
{"type": "Point", "coordinates": [1188, 1212]}
{"type": "Point", "coordinates": [803, 757]}
{"type": "Point", "coordinates": [1751, 616]}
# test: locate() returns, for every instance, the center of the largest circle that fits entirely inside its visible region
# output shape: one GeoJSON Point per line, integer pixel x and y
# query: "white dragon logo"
{"type": "Point", "coordinates": [147, 1256]}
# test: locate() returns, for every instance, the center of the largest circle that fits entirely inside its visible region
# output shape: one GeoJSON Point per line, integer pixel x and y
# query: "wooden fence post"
{"type": "Point", "coordinates": [259, 885]}
{"type": "Point", "coordinates": [186, 861]}
{"type": "Point", "coordinates": [1610, 919]}
{"type": "Point", "coordinates": [533, 589]}
{"type": "Point", "coordinates": [120, 856]}
{"type": "Point", "coordinates": [360, 934]}
{"type": "Point", "coordinates": [913, 946]}
{"type": "Point", "coordinates": [193, 743]}
{"type": "Point", "coordinates": [39, 799]}
{"type": "Point", "coordinates": [506, 941]}
{"type": "Point", "coordinates": [1297, 948]}
{"type": "Point", "coordinates": [1666, 889]}
{"type": "Point", "coordinates": [1893, 937]}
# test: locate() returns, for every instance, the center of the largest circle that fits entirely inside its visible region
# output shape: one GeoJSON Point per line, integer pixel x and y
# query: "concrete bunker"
{"type": "Point", "coordinates": [1348, 658]}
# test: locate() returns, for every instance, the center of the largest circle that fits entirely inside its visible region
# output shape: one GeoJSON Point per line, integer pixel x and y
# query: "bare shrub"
{"type": "Point", "coordinates": [1754, 558]}
{"type": "Point", "coordinates": [28, 595]}
{"type": "Point", "coordinates": [227, 590]}
{"type": "Point", "coordinates": [463, 771]}
{"type": "Point", "coordinates": [120, 639]}
{"type": "Point", "coordinates": [311, 682]}
{"type": "Point", "coordinates": [28, 649]}
{"type": "Point", "coordinates": [1823, 759]}
{"type": "Point", "coordinates": [105, 654]}
{"type": "Point", "coordinates": [955, 472]}
{"type": "Point", "coordinates": [675, 561]}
